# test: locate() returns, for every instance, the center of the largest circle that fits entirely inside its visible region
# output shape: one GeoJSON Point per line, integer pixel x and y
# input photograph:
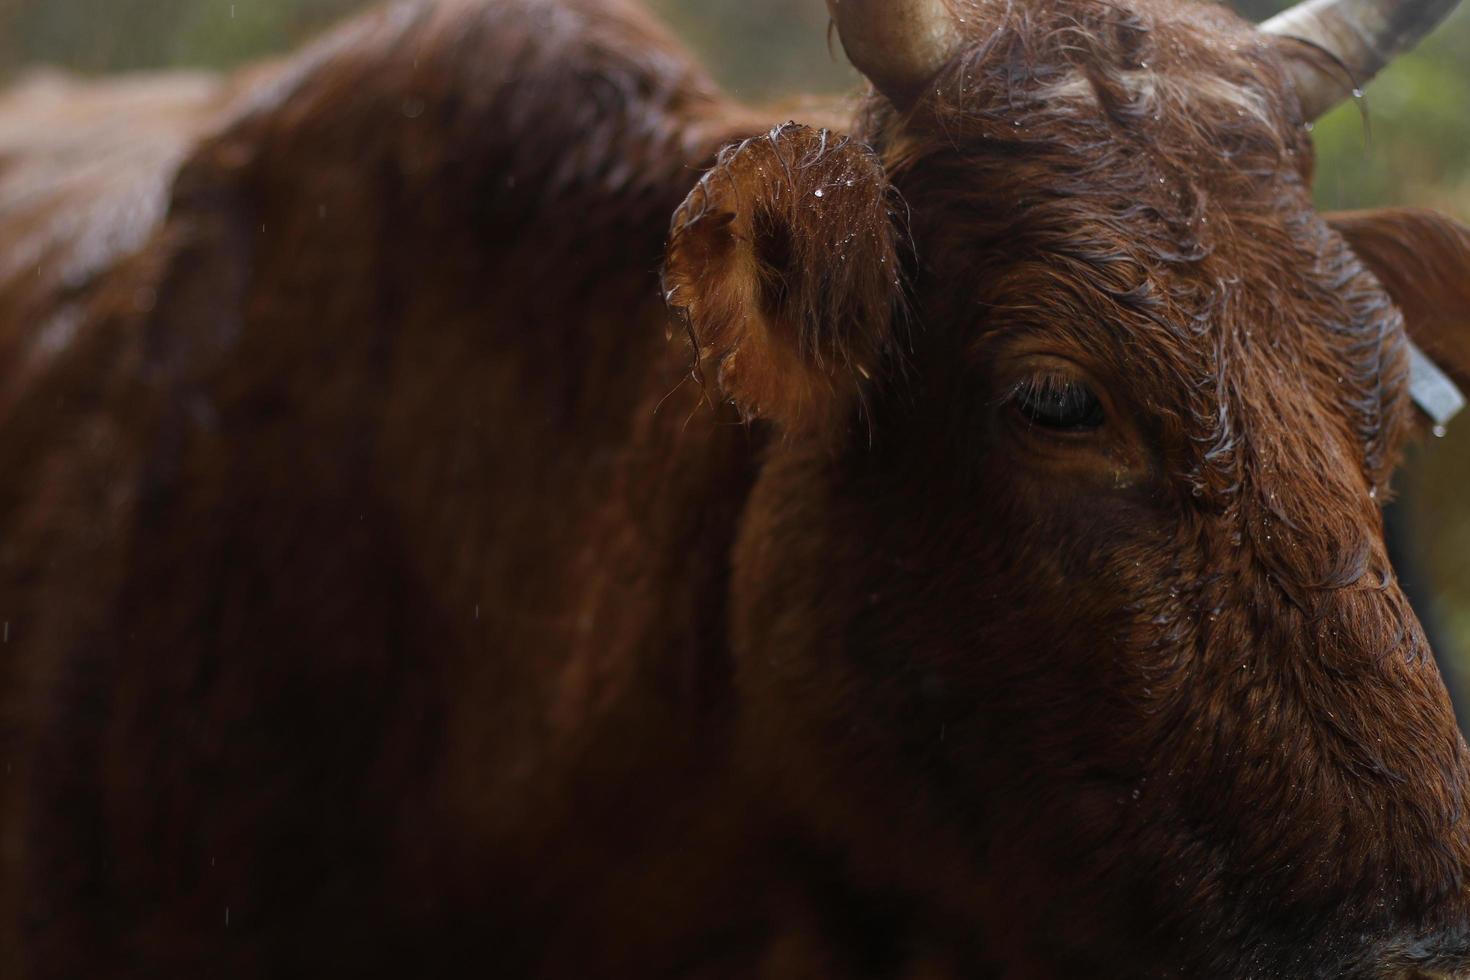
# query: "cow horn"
{"type": "Point", "coordinates": [898, 44]}
{"type": "Point", "coordinates": [1358, 37]}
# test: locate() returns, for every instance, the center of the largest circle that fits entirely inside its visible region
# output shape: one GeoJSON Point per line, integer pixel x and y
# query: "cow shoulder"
{"type": "Point", "coordinates": [85, 173]}
{"type": "Point", "coordinates": [382, 373]}
{"type": "Point", "coordinates": [492, 129]}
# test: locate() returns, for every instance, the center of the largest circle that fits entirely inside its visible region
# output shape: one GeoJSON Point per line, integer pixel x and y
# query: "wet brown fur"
{"type": "Point", "coordinates": [383, 597]}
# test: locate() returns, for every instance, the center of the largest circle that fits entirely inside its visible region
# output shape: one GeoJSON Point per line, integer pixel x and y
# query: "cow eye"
{"type": "Point", "coordinates": [1060, 403]}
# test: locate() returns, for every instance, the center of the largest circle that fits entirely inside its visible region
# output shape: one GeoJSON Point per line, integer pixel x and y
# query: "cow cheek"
{"type": "Point", "coordinates": [903, 701]}
{"type": "Point", "coordinates": [907, 649]}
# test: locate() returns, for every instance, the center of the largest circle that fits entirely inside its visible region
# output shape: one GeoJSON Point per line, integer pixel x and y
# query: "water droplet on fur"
{"type": "Point", "coordinates": [1357, 93]}
{"type": "Point", "coordinates": [1440, 431]}
{"type": "Point", "coordinates": [819, 192]}
{"type": "Point", "coordinates": [1310, 125]}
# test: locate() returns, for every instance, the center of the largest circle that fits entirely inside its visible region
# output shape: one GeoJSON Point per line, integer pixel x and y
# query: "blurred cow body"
{"type": "Point", "coordinates": [382, 597]}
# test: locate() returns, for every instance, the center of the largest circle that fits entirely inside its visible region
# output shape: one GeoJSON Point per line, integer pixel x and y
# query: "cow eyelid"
{"type": "Point", "coordinates": [1058, 402]}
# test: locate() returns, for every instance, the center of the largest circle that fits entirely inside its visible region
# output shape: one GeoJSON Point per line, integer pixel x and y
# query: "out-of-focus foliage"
{"type": "Point", "coordinates": [1409, 139]}
{"type": "Point", "coordinates": [1410, 143]}
{"type": "Point", "coordinates": [1419, 150]}
{"type": "Point", "coordinates": [763, 48]}
{"type": "Point", "coordinates": [122, 35]}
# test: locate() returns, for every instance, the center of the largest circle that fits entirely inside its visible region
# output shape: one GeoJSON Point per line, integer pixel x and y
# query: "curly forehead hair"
{"type": "Point", "coordinates": [1142, 175]}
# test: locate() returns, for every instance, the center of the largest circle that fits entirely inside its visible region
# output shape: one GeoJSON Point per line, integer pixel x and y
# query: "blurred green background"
{"type": "Point", "coordinates": [1413, 149]}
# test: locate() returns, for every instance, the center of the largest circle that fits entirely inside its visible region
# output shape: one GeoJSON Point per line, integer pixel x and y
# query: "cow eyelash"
{"type": "Point", "coordinates": [1058, 402]}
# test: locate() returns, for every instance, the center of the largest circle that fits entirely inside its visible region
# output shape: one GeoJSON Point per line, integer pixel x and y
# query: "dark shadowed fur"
{"type": "Point", "coordinates": [383, 597]}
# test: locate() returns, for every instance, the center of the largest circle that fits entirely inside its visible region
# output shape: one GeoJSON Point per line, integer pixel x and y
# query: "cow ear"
{"type": "Point", "coordinates": [1423, 260]}
{"type": "Point", "coordinates": [782, 263]}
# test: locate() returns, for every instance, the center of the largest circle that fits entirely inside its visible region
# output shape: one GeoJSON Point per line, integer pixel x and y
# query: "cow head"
{"type": "Point", "coordinates": [1062, 600]}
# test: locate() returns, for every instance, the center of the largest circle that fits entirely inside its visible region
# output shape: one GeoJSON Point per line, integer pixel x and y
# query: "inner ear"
{"type": "Point", "coordinates": [776, 253]}
{"type": "Point", "coordinates": [783, 262]}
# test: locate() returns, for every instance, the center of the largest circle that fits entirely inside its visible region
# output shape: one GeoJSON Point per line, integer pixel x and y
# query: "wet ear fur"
{"type": "Point", "coordinates": [1423, 260]}
{"type": "Point", "coordinates": [782, 262]}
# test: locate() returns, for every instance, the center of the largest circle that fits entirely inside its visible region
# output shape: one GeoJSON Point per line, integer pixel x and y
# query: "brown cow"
{"type": "Point", "coordinates": [382, 598]}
